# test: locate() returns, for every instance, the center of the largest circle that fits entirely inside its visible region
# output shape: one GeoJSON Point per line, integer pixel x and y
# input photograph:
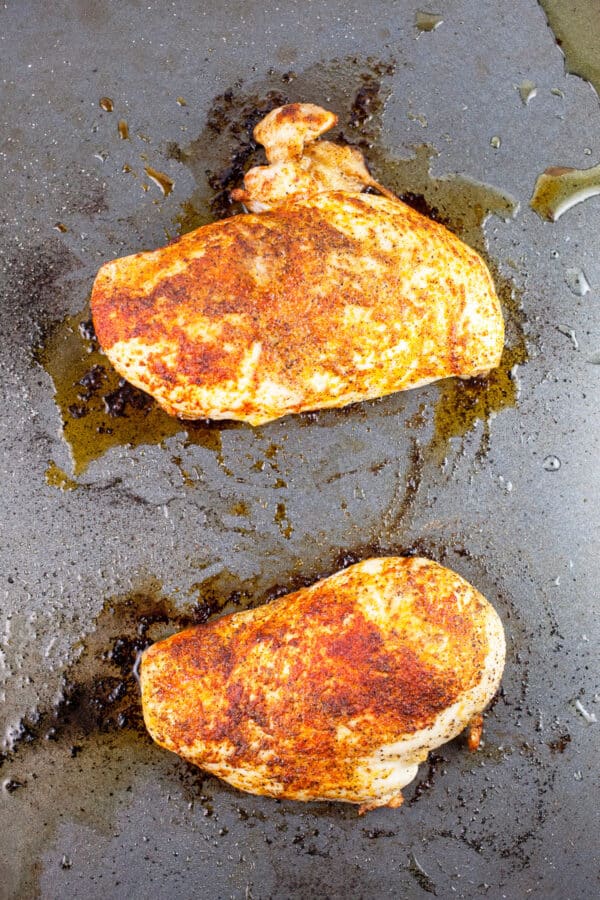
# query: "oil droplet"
{"type": "Point", "coordinates": [160, 180]}
{"type": "Point", "coordinates": [60, 227]}
{"type": "Point", "coordinates": [577, 282]}
{"type": "Point", "coordinates": [527, 91]}
{"type": "Point", "coordinates": [181, 102]}
{"type": "Point", "coordinates": [427, 21]}
{"type": "Point", "coordinates": [570, 333]}
{"type": "Point", "coordinates": [123, 130]}
{"type": "Point", "coordinates": [561, 187]}
{"type": "Point", "coordinates": [495, 142]}
{"type": "Point", "coordinates": [57, 477]}
{"type": "Point", "coordinates": [551, 464]}
{"type": "Point", "coordinates": [576, 32]}
{"type": "Point", "coordinates": [106, 104]}
{"type": "Point", "coordinates": [281, 519]}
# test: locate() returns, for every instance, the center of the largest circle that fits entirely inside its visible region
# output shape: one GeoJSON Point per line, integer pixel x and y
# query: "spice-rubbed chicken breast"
{"type": "Point", "coordinates": [335, 692]}
{"type": "Point", "coordinates": [326, 297]}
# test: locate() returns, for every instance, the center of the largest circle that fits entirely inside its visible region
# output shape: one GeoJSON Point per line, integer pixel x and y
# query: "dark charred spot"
{"type": "Point", "coordinates": [87, 331]}
{"type": "Point", "coordinates": [365, 100]}
{"type": "Point", "coordinates": [93, 378]}
{"type": "Point", "coordinates": [561, 743]}
{"type": "Point", "coordinates": [13, 784]}
{"type": "Point", "coordinates": [419, 203]}
{"type": "Point", "coordinates": [435, 763]}
{"type": "Point", "coordinates": [77, 410]}
{"type": "Point", "coordinates": [126, 395]}
{"type": "Point", "coordinates": [100, 692]}
{"type": "Point", "coordinates": [235, 122]}
{"type": "Point", "coordinates": [347, 558]}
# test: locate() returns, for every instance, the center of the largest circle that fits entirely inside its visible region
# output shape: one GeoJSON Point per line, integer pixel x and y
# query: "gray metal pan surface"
{"type": "Point", "coordinates": [120, 526]}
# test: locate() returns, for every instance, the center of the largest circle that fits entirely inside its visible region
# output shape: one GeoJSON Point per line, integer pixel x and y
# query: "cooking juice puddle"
{"type": "Point", "coordinates": [576, 33]}
{"type": "Point", "coordinates": [99, 410]}
{"type": "Point", "coordinates": [463, 206]}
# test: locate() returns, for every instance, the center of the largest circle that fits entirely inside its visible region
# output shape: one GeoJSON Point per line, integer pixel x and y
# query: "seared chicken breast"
{"type": "Point", "coordinates": [322, 297]}
{"type": "Point", "coordinates": [335, 692]}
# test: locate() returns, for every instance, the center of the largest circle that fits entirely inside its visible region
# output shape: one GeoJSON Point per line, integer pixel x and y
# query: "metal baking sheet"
{"type": "Point", "coordinates": [115, 536]}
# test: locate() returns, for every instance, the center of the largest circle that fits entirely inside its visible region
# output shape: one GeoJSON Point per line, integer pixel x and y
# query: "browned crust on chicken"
{"type": "Point", "coordinates": [291, 698]}
{"type": "Point", "coordinates": [326, 300]}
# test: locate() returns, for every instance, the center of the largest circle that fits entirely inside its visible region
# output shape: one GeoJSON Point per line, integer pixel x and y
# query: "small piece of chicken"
{"type": "Point", "coordinates": [300, 165]}
{"type": "Point", "coordinates": [284, 131]}
{"type": "Point", "coordinates": [327, 297]}
{"type": "Point", "coordinates": [335, 692]}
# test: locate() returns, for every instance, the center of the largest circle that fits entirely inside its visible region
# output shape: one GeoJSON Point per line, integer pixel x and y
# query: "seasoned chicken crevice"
{"type": "Point", "coordinates": [335, 692]}
{"type": "Point", "coordinates": [325, 297]}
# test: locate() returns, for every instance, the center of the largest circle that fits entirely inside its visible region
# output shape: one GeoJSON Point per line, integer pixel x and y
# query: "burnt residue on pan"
{"type": "Point", "coordinates": [99, 411]}
{"type": "Point", "coordinates": [229, 126]}
{"type": "Point", "coordinates": [100, 693]}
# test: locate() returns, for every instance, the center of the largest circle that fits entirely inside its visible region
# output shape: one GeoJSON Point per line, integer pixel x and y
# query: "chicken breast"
{"type": "Point", "coordinates": [323, 297]}
{"type": "Point", "coordinates": [335, 692]}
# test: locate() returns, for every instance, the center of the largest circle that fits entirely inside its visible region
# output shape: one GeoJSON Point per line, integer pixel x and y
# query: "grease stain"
{"type": "Point", "coordinates": [99, 410]}
{"type": "Point", "coordinates": [160, 179]}
{"type": "Point", "coordinates": [94, 737]}
{"type": "Point", "coordinates": [463, 205]}
{"type": "Point", "coordinates": [58, 478]}
{"type": "Point", "coordinates": [559, 188]}
{"type": "Point", "coordinates": [575, 29]}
